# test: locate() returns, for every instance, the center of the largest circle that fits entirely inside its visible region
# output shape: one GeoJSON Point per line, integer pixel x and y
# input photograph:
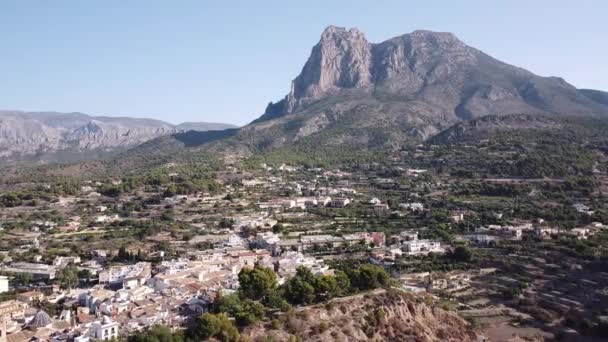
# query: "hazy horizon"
{"type": "Point", "coordinates": [187, 63]}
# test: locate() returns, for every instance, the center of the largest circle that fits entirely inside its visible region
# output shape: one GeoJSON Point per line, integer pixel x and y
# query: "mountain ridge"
{"type": "Point", "coordinates": [412, 65]}
{"type": "Point", "coordinates": [52, 136]}
{"type": "Point", "coordinates": [409, 87]}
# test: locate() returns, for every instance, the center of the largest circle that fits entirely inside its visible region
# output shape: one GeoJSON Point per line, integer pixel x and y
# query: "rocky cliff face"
{"type": "Point", "coordinates": [382, 316]}
{"type": "Point", "coordinates": [75, 135]}
{"type": "Point", "coordinates": [341, 60]}
{"type": "Point", "coordinates": [434, 67]}
{"type": "Point", "coordinates": [351, 92]}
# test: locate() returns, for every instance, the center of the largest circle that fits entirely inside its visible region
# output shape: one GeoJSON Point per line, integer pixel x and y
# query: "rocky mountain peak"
{"type": "Point", "coordinates": [439, 39]}
{"type": "Point", "coordinates": [437, 43]}
{"type": "Point", "coordinates": [455, 81]}
{"type": "Point", "coordinates": [341, 60]}
{"type": "Point", "coordinates": [333, 33]}
{"type": "Point", "coordinates": [344, 60]}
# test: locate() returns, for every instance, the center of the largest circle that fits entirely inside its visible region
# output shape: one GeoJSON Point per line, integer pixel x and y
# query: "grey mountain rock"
{"type": "Point", "coordinates": [353, 92]}
{"type": "Point", "coordinates": [433, 67]}
{"type": "Point", "coordinates": [43, 135]}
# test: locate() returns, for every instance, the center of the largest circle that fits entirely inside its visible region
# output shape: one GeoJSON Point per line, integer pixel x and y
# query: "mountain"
{"type": "Point", "coordinates": [50, 136]}
{"type": "Point", "coordinates": [433, 67]}
{"type": "Point", "coordinates": [353, 96]}
{"type": "Point", "coordinates": [351, 92]}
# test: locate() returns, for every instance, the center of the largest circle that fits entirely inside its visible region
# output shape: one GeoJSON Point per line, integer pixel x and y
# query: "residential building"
{"type": "Point", "coordinates": [30, 296]}
{"type": "Point", "coordinates": [581, 233]}
{"type": "Point", "coordinates": [457, 216]}
{"type": "Point", "coordinates": [105, 329]}
{"type": "Point", "coordinates": [38, 271]}
{"type": "Point", "coordinates": [414, 247]}
{"type": "Point", "coordinates": [267, 240]}
{"type": "Point", "coordinates": [3, 284]}
{"type": "Point", "coordinates": [415, 206]}
{"type": "Point", "coordinates": [340, 202]}
{"type": "Point", "coordinates": [62, 261]}
{"type": "Point", "coordinates": [12, 309]}
{"type": "Point", "coordinates": [116, 274]}
{"type": "Point", "coordinates": [545, 232]}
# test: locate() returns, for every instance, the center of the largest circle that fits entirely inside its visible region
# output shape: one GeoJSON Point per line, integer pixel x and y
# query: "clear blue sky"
{"type": "Point", "coordinates": [224, 61]}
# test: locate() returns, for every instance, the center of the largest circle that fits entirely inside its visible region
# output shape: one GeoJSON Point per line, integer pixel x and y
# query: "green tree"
{"type": "Point", "coordinates": [276, 300]}
{"type": "Point", "coordinates": [368, 276]}
{"type": "Point", "coordinates": [68, 276]}
{"type": "Point", "coordinates": [342, 282]}
{"type": "Point", "coordinates": [226, 222]}
{"type": "Point", "coordinates": [216, 326]}
{"type": "Point", "coordinates": [248, 312]}
{"type": "Point", "coordinates": [111, 190]}
{"type": "Point", "coordinates": [326, 287]}
{"type": "Point", "coordinates": [224, 303]}
{"type": "Point", "coordinates": [245, 312]}
{"type": "Point", "coordinates": [461, 253]}
{"type": "Point", "coordinates": [24, 278]}
{"type": "Point", "coordinates": [85, 274]}
{"type": "Point", "coordinates": [256, 283]}
{"type": "Point", "coordinates": [278, 228]}
{"type": "Point", "coordinates": [170, 191]}
{"type": "Point", "coordinates": [157, 333]}
{"type": "Point", "coordinates": [299, 291]}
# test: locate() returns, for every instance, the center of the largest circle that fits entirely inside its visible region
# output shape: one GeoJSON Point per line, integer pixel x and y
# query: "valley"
{"type": "Point", "coordinates": [485, 243]}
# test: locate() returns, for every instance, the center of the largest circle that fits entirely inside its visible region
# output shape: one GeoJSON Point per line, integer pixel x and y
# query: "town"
{"type": "Point", "coordinates": [103, 259]}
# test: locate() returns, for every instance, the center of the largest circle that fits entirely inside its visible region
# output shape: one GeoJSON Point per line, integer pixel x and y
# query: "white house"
{"type": "Point", "coordinates": [267, 239]}
{"type": "Point", "coordinates": [105, 329]}
{"type": "Point", "coordinates": [414, 247]}
{"type": "Point", "coordinates": [3, 284]}
{"type": "Point", "coordinates": [545, 232]}
{"type": "Point", "coordinates": [415, 206]}
{"type": "Point", "coordinates": [106, 218]}
{"type": "Point", "coordinates": [581, 233]}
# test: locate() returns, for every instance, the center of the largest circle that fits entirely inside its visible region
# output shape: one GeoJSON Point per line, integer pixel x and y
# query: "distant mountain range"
{"type": "Point", "coordinates": [50, 136]}
{"type": "Point", "coordinates": [354, 93]}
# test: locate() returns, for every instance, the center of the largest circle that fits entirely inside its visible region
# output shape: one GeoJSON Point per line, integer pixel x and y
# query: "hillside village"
{"type": "Point", "coordinates": [102, 259]}
{"type": "Point", "coordinates": [406, 187]}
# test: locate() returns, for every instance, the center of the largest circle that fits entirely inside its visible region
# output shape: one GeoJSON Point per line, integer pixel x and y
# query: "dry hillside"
{"type": "Point", "coordinates": [379, 316]}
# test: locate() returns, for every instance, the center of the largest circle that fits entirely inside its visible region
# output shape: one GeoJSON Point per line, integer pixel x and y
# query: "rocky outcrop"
{"type": "Point", "coordinates": [434, 67]}
{"type": "Point", "coordinates": [354, 93]}
{"type": "Point", "coordinates": [380, 316]}
{"type": "Point", "coordinates": [341, 60]}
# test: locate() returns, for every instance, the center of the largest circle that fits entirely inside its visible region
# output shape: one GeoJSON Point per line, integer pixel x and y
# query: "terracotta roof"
{"type": "Point", "coordinates": [84, 318]}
